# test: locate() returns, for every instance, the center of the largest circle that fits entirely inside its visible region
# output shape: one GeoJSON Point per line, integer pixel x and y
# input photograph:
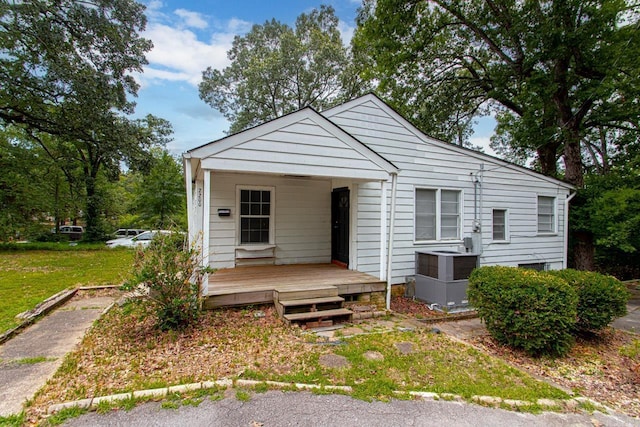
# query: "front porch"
{"type": "Point", "coordinates": [289, 287]}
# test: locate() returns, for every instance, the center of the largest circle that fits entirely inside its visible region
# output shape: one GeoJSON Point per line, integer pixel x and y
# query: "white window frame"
{"type": "Point", "coordinates": [554, 219]}
{"type": "Point", "coordinates": [507, 237]}
{"type": "Point", "coordinates": [438, 218]}
{"type": "Point", "coordinates": [272, 215]}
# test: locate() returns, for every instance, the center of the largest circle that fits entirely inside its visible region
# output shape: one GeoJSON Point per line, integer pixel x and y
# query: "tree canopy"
{"type": "Point", "coordinates": [560, 76]}
{"type": "Point", "coordinates": [66, 85]}
{"type": "Point", "coordinates": [276, 69]}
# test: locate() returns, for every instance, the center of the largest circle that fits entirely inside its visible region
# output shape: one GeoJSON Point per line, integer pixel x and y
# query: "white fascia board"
{"type": "Point", "coordinates": [230, 165]}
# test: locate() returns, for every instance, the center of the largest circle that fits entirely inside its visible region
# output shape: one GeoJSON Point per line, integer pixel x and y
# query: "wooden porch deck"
{"type": "Point", "coordinates": [262, 284]}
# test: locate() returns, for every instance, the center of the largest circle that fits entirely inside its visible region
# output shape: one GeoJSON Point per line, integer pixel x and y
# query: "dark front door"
{"type": "Point", "coordinates": [340, 225]}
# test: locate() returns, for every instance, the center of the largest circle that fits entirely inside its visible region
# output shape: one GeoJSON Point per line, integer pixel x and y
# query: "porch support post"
{"type": "Point", "coordinates": [392, 220]}
{"type": "Point", "coordinates": [206, 227]}
{"type": "Point", "coordinates": [383, 230]}
{"type": "Point", "coordinates": [189, 186]}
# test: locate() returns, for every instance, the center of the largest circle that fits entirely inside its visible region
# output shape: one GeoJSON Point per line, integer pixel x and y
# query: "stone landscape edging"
{"type": "Point", "coordinates": [93, 403]}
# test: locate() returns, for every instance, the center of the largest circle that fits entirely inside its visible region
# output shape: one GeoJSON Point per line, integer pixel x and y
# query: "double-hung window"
{"type": "Point", "coordinates": [437, 214]}
{"type": "Point", "coordinates": [546, 214]}
{"type": "Point", "coordinates": [499, 222]}
{"type": "Point", "coordinates": [256, 208]}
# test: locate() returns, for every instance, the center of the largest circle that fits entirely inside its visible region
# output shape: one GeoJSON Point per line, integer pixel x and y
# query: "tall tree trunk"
{"type": "Point", "coordinates": [547, 156]}
{"type": "Point", "coordinates": [583, 248]}
{"type": "Point", "coordinates": [92, 213]}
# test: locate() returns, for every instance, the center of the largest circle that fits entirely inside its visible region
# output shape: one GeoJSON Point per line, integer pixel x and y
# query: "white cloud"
{"type": "Point", "coordinates": [192, 19]}
{"type": "Point", "coordinates": [346, 32]}
{"type": "Point", "coordinates": [179, 55]}
{"type": "Point", "coordinates": [484, 142]}
{"type": "Point", "coordinates": [238, 26]}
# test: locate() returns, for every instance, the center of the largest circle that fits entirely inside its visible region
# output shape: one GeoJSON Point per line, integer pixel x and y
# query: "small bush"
{"type": "Point", "coordinates": [524, 308]}
{"type": "Point", "coordinates": [600, 298]}
{"type": "Point", "coordinates": [173, 276]}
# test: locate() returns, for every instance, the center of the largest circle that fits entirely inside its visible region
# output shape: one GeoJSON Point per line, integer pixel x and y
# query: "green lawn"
{"type": "Point", "coordinates": [29, 277]}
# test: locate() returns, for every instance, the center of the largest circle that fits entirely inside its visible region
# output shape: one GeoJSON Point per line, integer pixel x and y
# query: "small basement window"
{"type": "Point", "coordinates": [538, 266]}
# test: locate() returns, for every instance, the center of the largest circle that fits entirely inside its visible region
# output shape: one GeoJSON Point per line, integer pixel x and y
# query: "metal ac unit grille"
{"type": "Point", "coordinates": [463, 266]}
{"type": "Point", "coordinates": [427, 265]}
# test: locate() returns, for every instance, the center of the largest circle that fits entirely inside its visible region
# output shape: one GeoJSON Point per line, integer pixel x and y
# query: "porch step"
{"type": "Point", "coordinates": [309, 301]}
{"type": "Point", "coordinates": [305, 292]}
{"type": "Point", "coordinates": [319, 317]}
{"type": "Point", "coordinates": [308, 305]}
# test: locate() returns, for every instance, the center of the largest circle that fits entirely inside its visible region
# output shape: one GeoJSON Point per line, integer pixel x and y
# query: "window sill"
{"type": "Point", "coordinates": [256, 248]}
{"type": "Point", "coordinates": [550, 234]}
{"type": "Point", "coordinates": [437, 242]}
{"type": "Point", "coordinates": [500, 242]}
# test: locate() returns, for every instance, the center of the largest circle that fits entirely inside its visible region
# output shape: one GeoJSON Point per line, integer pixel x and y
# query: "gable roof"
{"type": "Point", "coordinates": [300, 143]}
{"type": "Point", "coordinates": [371, 97]}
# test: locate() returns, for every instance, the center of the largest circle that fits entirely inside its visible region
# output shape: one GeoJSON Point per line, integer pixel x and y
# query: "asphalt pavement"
{"type": "Point", "coordinates": [280, 409]}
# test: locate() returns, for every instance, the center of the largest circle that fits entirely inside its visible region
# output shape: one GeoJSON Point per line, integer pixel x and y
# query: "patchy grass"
{"type": "Point", "coordinates": [16, 420]}
{"type": "Point", "coordinates": [34, 360]}
{"type": "Point", "coordinates": [29, 277]}
{"type": "Point", "coordinates": [62, 416]}
{"type": "Point", "coordinates": [123, 352]}
{"type": "Point", "coordinates": [604, 367]}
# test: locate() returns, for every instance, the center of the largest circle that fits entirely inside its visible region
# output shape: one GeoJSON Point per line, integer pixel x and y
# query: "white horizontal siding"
{"type": "Point", "coordinates": [436, 165]}
{"type": "Point", "coordinates": [300, 148]}
{"type": "Point", "coordinates": [302, 218]}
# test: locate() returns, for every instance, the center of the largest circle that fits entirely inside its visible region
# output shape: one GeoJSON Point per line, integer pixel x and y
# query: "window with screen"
{"type": "Point", "coordinates": [437, 214]}
{"type": "Point", "coordinates": [499, 224]}
{"type": "Point", "coordinates": [546, 214]}
{"type": "Point", "coordinates": [255, 216]}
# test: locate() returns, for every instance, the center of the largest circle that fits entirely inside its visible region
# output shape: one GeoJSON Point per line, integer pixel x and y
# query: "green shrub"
{"type": "Point", "coordinates": [173, 275]}
{"type": "Point", "coordinates": [600, 298]}
{"type": "Point", "coordinates": [524, 308]}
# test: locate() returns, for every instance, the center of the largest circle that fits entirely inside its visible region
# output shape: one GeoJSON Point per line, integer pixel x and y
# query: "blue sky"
{"type": "Point", "coordinates": [189, 36]}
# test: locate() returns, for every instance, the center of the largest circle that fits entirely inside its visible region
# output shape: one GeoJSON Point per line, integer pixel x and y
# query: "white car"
{"type": "Point", "coordinates": [142, 240]}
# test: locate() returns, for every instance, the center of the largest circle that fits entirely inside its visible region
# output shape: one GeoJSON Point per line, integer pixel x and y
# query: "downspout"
{"type": "Point", "coordinates": [392, 220]}
{"type": "Point", "coordinates": [566, 230]}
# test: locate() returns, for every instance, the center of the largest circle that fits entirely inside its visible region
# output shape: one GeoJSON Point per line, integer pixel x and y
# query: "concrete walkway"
{"type": "Point", "coordinates": [28, 360]}
{"type": "Point", "coordinates": [630, 322]}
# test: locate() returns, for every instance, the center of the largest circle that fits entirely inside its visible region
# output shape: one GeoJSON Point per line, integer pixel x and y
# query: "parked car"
{"type": "Point", "coordinates": [127, 232]}
{"type": "Point", "coordinates": [73, 231]}
{"type": "Point", "coordinates": [141, 240]}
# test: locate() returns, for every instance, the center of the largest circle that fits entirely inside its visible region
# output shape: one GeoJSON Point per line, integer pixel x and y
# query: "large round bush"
{"type": "Point", "coordinates": [600, 298]}
{"type": "Point", "coordinates": [524, 308]}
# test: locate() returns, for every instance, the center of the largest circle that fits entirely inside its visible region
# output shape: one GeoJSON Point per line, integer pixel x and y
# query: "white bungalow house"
{"type": "Point", "coordinates": [362, 188]}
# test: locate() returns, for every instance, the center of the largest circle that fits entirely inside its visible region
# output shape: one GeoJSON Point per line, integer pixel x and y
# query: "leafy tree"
{"type": "Point", "coordinates": [551, 71]}
{"type": "Point", "coordinates": [65, 65]}
{"type": "Point", "coordinates": [276, 69]}
{"type": "Point", "coordinates": [66, 78]}
{"type": "Point", "coordinates": [560, 76]}
{"type": "Point", "coordinates": [161, 198]}
{"type": "Point", "coordinates": [609, 210]}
